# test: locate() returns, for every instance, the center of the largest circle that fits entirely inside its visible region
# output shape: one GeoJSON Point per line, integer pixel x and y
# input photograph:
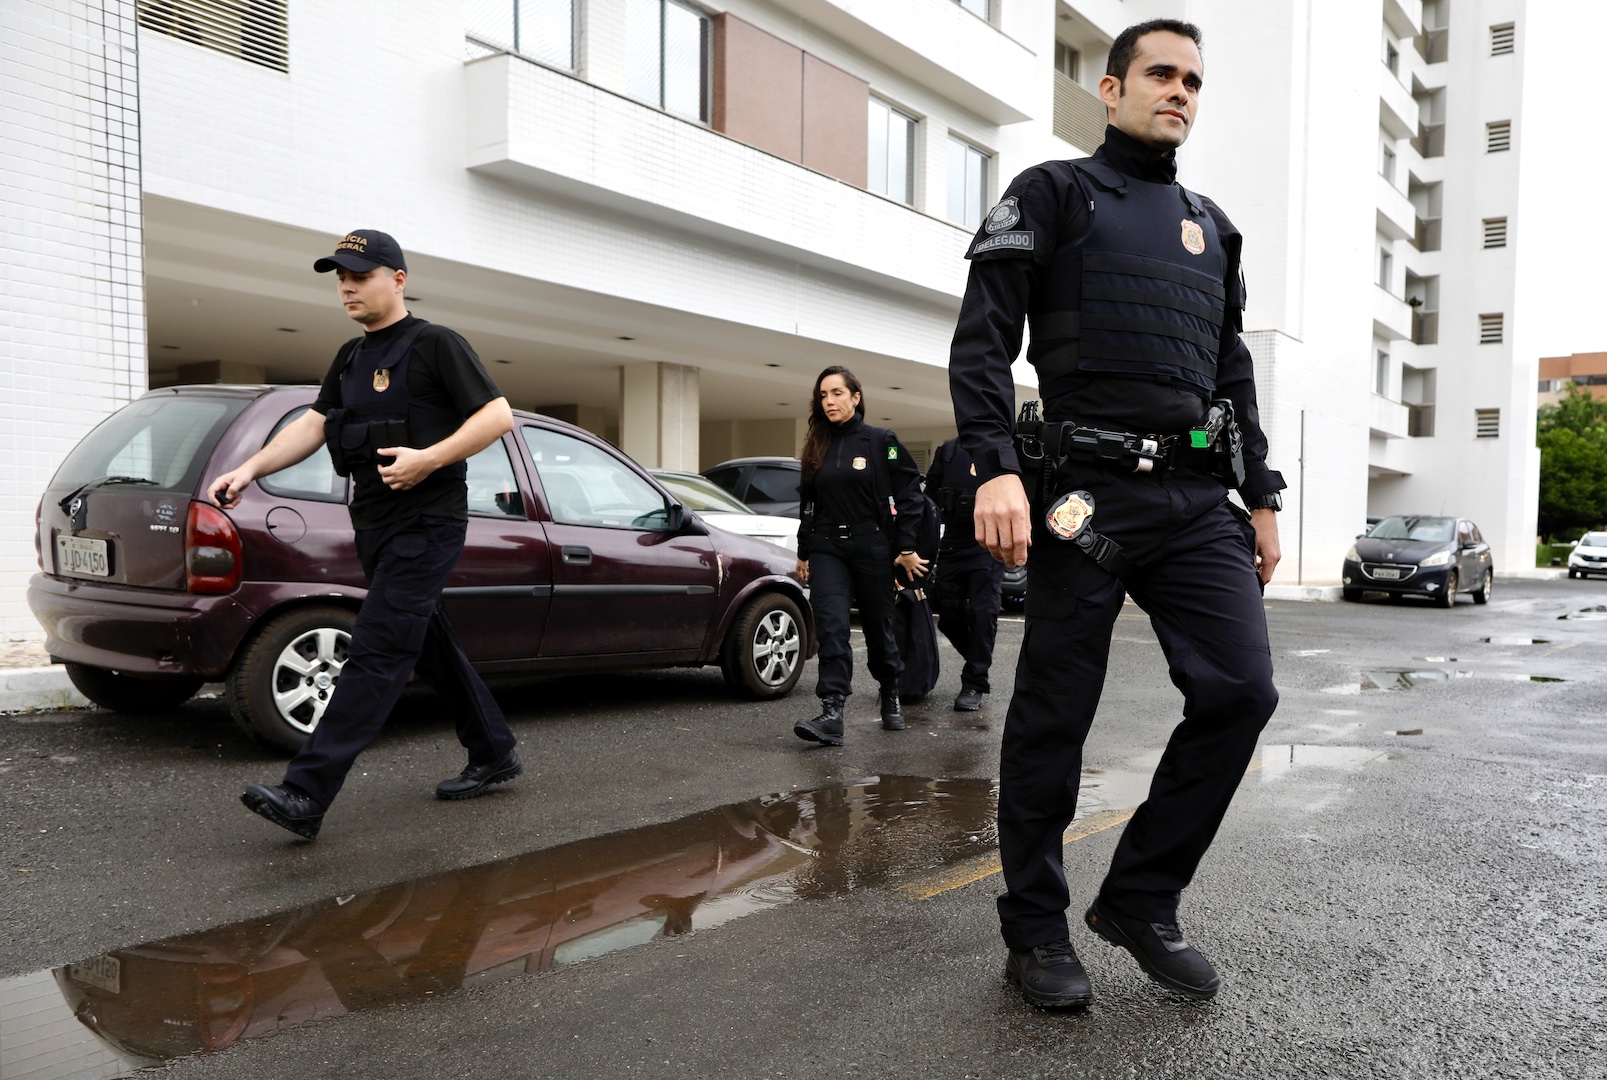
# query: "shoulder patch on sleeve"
{"type": "Point", "coordinates": [1006, 215]}
{"type": "Point", "coordinates": [1020, 241]}
{"type": "Point", "coordinates": [892, 453]}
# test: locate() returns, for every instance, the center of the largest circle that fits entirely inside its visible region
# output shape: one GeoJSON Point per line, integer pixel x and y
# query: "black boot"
{"type": "Point", "coordinates": [827, 728]}
{"type": "Point", "coordinates": [892, 711]}
{"type": "Point", "coordinates": [1159, 949]}
{"type": "Point", "coordinates": [1050, 976]}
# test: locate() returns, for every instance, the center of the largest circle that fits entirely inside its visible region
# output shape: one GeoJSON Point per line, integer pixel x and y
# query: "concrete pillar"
{"type": "Point", "coordinates": [658, 415]}
{"type": "Point", "coordinates": [72, 300]}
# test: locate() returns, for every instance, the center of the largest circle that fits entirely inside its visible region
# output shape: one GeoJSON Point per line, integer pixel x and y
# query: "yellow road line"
{"type": "Point", "coordinates": [982, 867]}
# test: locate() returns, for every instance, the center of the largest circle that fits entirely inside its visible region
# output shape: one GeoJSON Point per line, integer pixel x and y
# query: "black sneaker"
{"type": "Point", "coordinates": [827, 728]}
{"type": "Point", "coordinates": [287, 807]}
{"type": "Point", "coordinates": [1050, 976]}
{"type": "Point", "coordinates": [1159, 949]}
{"type": "Point", "coordinates": [968, 700]}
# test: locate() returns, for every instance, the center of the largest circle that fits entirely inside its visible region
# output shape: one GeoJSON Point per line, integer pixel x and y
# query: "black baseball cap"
{"type": "Point", "coordinates": [363, 250]}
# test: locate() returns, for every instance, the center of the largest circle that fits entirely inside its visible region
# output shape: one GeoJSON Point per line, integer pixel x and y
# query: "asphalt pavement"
{"type": "Point", "coordinates": [1412, 881]}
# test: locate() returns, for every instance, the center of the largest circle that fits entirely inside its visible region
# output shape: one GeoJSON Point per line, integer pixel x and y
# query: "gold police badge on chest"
{"type": "Point", "coordinates": [859, 463]}
{"type": "Point", "coordinates": [382, 380]}
{"type": "Point", "coordinates": [1193, 237]}
{"type": "Point", "coordinates": [973, 468]}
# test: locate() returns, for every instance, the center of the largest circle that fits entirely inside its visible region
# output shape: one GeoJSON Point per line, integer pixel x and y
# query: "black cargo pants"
{"type": "Point", "coordinates": [967, 596]}
{"type": "Point", "coordinates": [401, 627]}
{"type": "Point", "coordinates": [1198, 584]}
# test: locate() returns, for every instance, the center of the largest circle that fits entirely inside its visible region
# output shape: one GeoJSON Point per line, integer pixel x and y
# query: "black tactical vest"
{"type": "Point", "coordinates": [377, 410]}
{"type": "Point", "coordinates": [1140, 296]}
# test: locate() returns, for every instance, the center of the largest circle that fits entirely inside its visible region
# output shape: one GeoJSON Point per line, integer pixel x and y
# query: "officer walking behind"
{"type": "Point", "coordinates": [860, 497]}
{"type": "Point", "coordinates": [1131, 287]}
{"type": "Point", "coordinates": [401, 410]}
{"type": "Point", "coordinates": [969, 580]}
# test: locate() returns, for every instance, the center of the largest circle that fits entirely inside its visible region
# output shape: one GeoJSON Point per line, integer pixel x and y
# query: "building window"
{"type": "Point", "coordinates": [968, 184]}
{"type": "Point", "coordinates": [1386, 269]}
{"type": "Point", "coordinates": [667, 56]}
{"type": "Point", "coordinates": [1068, 61]}
{"type": "Point", "coordinates": [1381, 374]}
{"type": "Point", "coordinates": [980, 8]}
{"type": "Point", "coordinates": [1503, 40]}
{"type": "Point", "coordinates": [256, 31]}
{"type": "Point", "coordinates": [1495, 232]}
{"type": "Point", "coordinates": [1490, 328]}
{"type": "Point", "coordinates": [891, 158]}
{"type": "Point", "coordinates": [1498, 137]}
{"type": "Point", "coordinates": [1486, 423]}
{"type": "Point", "coordinates": [1392, 58]}
{"type": "Point", "coordinates": [1386, 166]}
{"type": "Point", "coordinates": [540, 29]}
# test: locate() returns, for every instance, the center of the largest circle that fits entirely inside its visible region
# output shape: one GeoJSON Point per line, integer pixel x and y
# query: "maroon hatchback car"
{"type": "Point", "coordinates": [577, 560]}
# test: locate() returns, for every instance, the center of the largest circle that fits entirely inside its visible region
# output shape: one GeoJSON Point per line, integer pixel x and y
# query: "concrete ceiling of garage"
{"type": "Point", "coordinates": [256, 300]}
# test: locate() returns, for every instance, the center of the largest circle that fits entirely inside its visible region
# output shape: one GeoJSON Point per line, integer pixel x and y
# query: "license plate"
{"type": "Point", "coordinates": [105, 972]}
{"type": "Point", "coordinates": [1387, 574]}
{"type": "Point", "coordinates": [82, 555]}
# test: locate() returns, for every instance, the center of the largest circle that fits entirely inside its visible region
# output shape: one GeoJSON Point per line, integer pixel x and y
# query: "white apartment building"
{"type": "Point", "coordinates": [660, 218]}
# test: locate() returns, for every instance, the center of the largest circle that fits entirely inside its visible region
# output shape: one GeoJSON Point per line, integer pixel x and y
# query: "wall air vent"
{"type": "Point", "coordinates": [256, 31]}
{"type": "Point", "coordinates": [1498, 137]}
{"type": "Point", "coordinates": [1503, 40]}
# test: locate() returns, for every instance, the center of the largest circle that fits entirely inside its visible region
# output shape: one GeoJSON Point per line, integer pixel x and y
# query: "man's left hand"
{"type": "Point", "coordinates": [408, 470]}
{"type": "Point", "coordinates": [1267, 551]}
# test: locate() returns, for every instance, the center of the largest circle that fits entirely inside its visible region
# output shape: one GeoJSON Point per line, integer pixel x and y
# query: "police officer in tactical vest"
{"type": "Point", "coordinates": [401, 410]}
{"type": "Point", "coordinates": [969, 581]}
{"type": "Point", "coordinates": [1131, 287]}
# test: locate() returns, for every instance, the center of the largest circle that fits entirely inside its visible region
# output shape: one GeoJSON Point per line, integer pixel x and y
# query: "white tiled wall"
{"type": "Point", "coordinates": [72, 311]}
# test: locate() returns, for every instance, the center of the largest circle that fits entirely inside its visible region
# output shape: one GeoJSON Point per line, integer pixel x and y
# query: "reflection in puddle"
{"type": "Point", "coordinates": [1589, 614]}
{"type": "Point", "coordinates": [534, 912]}
{"type": "Point", "coordinates": [1501, 639]}
{"type": "Point", "coordinates": [1409, 679]}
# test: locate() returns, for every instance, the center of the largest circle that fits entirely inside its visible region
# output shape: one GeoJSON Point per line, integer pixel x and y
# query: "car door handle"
{"type": "Point", "coordinates": [577, 556]}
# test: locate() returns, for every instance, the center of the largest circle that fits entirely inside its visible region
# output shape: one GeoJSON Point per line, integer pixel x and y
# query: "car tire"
{"type": "Point", "coordinates": [131, 693]}
{"type": "Point", "coordinates": [1353, 595]}
{"type": "Point", "coordinates": [1447, 598]}
{"type": "Point", "coordinates": [763, 655]}
{"type": "Point", "coordinates": [1572, 573]}
{"type": "Point", "coordinates": [1482, 596]}
{"type": "Point", "coordinates": [283, 679]}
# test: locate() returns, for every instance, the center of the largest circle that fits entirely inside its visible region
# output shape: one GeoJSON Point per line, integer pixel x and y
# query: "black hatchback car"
{"type": "Point", "coordinates": [1434, 557]}
{"type": "Point", "coordinates": [577, 560]}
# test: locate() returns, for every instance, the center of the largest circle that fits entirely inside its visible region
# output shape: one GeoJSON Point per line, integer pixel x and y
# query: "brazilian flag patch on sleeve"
{"type": "Point", "coordinates": [892, 453]}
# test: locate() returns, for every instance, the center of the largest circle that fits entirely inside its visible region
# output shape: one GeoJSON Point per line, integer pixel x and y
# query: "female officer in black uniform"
{"type": "Point", "coordinates": [861, 505]}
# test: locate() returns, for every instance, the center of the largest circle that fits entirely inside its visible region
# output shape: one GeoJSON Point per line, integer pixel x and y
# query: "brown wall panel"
{"type": "Point", "coordinates": [758, 90]}
{"type": "Point", "coordinates": [835, 121]}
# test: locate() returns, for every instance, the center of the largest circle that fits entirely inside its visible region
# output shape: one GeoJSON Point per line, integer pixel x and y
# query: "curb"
{"type": "Point", "coordinates": [1301, 592]}
{"type": "Point", "coordinates": [38, 689]}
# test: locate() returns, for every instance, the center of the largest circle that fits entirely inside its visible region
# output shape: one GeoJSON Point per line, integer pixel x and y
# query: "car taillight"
{"type": "Point", "coordinates": [38, 544]}
{"type": "Point", "coordinates": [212, 556]}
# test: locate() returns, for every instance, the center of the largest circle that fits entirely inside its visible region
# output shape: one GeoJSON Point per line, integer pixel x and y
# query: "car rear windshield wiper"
{"type": "Point", "coordinates": [104, 481]}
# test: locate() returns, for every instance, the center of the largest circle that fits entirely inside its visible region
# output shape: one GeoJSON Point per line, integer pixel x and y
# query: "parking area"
{"type": "Point", "coordinates": [1411, 881]}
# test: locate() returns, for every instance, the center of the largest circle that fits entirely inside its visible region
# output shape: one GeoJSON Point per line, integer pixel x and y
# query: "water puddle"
{"type": "Point", "coordinates": [1276, 762]}
{"type": "Point", "coordinates": [546, 909]}
{"type": "Point", "coordinates": [1589, 614]}
{"type": "Point", "coordinates": [1509, 639]}
{"type": "Point", "coordinates": [1410, 679]}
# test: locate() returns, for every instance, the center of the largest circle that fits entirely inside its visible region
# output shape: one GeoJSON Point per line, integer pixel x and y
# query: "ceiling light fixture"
{"type": "Point", "coordinates": [287, 329]}
{"type": "Point", "coordinates": [622, 337]}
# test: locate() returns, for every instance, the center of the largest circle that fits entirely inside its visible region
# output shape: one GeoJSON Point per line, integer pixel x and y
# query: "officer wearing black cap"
{"type": "Point", "coordinates": [969, 583]}
{"type": "Point", "coordinates": [1130, 285]}
{"type": "Point", "coordinates": [401, 409]}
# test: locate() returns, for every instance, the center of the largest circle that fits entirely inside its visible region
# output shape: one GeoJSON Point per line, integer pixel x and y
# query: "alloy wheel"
{"type": "Point", "coordinates": [305, 674]}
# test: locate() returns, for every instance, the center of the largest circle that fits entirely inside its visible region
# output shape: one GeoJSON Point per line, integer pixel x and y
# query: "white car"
{"type": "Point", "coordinates": [724, 511]}
{"type": "Point", "coordinates": [1589, 556]}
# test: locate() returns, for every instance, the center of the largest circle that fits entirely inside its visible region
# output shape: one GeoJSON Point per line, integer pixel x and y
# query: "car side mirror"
{"type": "Point", "coordinates": [1573, 543]}
{"type": "Point", "coordinates": [674, 517]}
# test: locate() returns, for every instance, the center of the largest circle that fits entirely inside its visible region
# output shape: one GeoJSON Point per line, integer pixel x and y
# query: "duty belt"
{"type": "Point", "coordinates": [844, 532]}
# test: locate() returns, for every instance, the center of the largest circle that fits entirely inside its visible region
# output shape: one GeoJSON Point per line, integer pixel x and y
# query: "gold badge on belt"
{"type": "Point", "coordinates": [1070, 514]}
{"type": "Point", "coordinates": [1193, 237]}
{"type": "Point", "coordinates": [859, 463]}
{"type": "Point", "coordinates": [973, 468]}
{"type": "Point", "coordinates": [382, 379]}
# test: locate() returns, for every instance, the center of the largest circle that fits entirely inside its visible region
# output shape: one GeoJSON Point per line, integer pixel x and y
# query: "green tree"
{"type": "Point", "coordinates": [1572, 436]}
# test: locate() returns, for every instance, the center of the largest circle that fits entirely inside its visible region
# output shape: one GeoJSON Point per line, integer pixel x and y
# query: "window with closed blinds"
{"type": "Point", "coordinates": [1498, 137]}
{"type": "Point", "coordinates": [1490, 329]}
{"type": "Point", "coordinates": [540, 29]}
{"type": "Point", "coordinates": [256, 31]}
{"type": "Point", "coordinates": [1503, 40]}
{"type": "Point", "coordinates": [1495, 232]}
{"type": "Point", "coordinates": [1486, 423]}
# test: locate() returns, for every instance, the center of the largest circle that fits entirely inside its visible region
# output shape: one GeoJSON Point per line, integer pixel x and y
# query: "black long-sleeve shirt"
{"type": "Point", "coordinates": [993, 315]}
{"type": "Point", "coordinates": [862, 467]}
